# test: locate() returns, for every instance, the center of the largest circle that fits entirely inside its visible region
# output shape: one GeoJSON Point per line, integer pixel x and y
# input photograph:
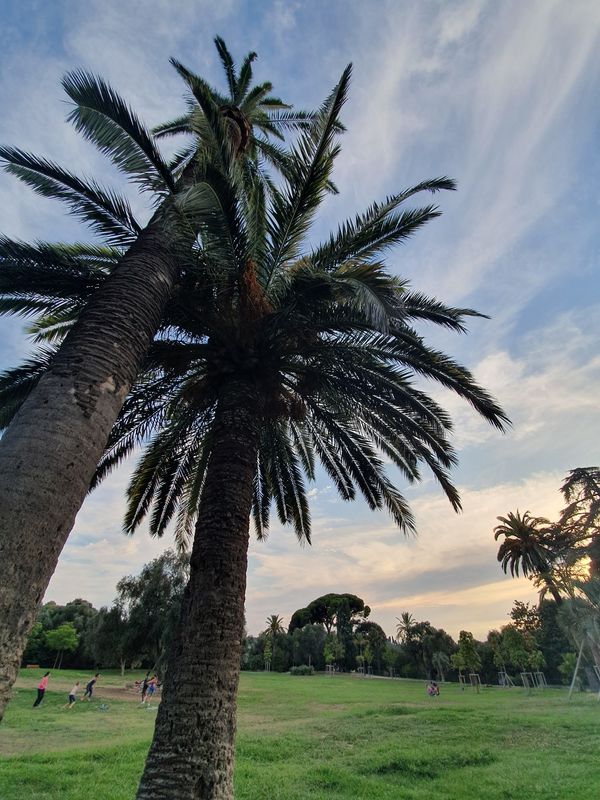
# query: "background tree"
{"type": "Point", "coordinates": [273, 629]}
{"type": "Point", "coordinates": [307, 646]}
{"type": "Point", "coordinates": [375, 640]}
{"type": "Point", "coordinates": [152, 602]}
{"type": "Point", "coordinates": [529, 547]}
{"type": "Point", "coordinates": [112, 638]}
{"type": "Point", "coordinates": [325, 610]}
{"type": "Point", "coordinates": [62, 639]}
{"type": "Point", "coordinates": [441, 662]}
{"type": "Point", "coordinates": [466, 657]}
{"type": "Point", "coordinates": [405, 627]}
{"type": "Point", "coordinates": [580, 519]}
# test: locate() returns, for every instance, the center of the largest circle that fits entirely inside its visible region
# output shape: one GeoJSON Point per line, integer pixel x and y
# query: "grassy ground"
{"type": "Point", "coordinates": [307, 738]}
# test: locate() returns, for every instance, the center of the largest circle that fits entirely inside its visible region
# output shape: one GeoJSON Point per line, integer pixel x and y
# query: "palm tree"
{"type": "Point", "coordinates": [272, 355]}
{"type": "Point", "coordinates": [405, 627]}
{"type": "Point", "coordinates": [53, 445]}
{"type": "Point", "coordinates": [529, 547]}
{"type": "Point", "coordinates": [580, 519]}
{"type": "Point", "coordinates": [274, 626]}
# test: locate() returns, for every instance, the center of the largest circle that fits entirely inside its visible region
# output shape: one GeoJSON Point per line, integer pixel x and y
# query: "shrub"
{"type": "Point", "coordinates": [303, 669]}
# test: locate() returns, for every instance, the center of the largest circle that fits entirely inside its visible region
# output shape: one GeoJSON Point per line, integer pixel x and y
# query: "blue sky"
{"type": "Point", "coordinates": [502, 96]}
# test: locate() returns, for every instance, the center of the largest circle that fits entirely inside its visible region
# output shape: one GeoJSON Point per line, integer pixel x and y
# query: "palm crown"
{"type": "Point", "coordinates": [527, 544]}
{"type": "Point", "coordinates": [324, 337]}
{"type": "Point", "coordinates": [223, 128]}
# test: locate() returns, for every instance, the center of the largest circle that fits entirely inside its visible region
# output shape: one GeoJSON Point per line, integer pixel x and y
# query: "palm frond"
{"type": "Point", "coordinates": [105, 119]}
{"type": "Point", "coordinates": [103, 210]}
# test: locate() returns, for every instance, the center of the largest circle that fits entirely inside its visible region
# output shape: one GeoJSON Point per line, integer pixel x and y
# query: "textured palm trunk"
{"type": "Point", "coordinates": [192, 752]}
{"type": "Point", "coordinates": [49, 453]}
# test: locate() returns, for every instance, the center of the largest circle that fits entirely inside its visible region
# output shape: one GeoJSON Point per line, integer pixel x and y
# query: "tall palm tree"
{"type": "Point", "coordinates": [272, 355]}
{"type": "Point", "coordinates": [274, 627]}
{"type": "Point", "coordinates": [528, 547]}
{"type": "Point", "coordinates": [405, 627]}
{"type": "Point", "coordinates": [54, 443]}
{"type": "Point", "coordinates": [580, 519]}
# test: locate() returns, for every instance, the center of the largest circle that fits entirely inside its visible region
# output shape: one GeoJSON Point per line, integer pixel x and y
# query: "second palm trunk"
{"type": "Point", "coordinates": [192, 752]}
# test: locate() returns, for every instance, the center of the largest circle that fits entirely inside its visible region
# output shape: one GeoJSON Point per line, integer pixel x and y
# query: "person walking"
{"type": "Point", "coordinates": [144, 688]}
{"type": "Point", "coordinates": [89, 688]}
{"type": "Point", "coordinates": [41, 688]}
{"type": "Point", "coordinates": [72, 696]}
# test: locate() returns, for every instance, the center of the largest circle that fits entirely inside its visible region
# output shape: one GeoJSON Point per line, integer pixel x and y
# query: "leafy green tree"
{"type": "Point", "coordinates": [325, 611]}
{"type": "Point", "coordinates": [152, 603]}
{"type": "Point", "coordinates": [112, 638]}
{"type": "Point", "coordinates": [275, 354]}
{"type": "Point", "coordinates": [53, 447]}
{"type": "Point", "coordinates": [375, 640]}
{"type": "Point", "coordinates": [333, 650]}
{"type": "Point", "coordinates": [36, 644]}
{"type": "Point", "coordinates": [466, 657]}
{"type": "Point", "coordinates": [267, 651]}
{"type": "Point", "coordinates": [567, 668]}
{"type": "Point", "coordinates": [307, 646]}
{"type": "Point", "coordinates": [61, 639]}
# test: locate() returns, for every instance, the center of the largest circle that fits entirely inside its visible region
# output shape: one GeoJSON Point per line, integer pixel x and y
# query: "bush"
{"type": "Point", "coordinates": [303, 669]}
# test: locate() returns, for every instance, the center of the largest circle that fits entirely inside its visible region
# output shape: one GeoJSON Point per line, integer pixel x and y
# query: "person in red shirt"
{"type": "Point", "coordinates": [41, 688]}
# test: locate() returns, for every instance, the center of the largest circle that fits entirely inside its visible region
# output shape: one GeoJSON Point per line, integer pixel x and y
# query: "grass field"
{"type": "Point", "coordinates": [318, 737]}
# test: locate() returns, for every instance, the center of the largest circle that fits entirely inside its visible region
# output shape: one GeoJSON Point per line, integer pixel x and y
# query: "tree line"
{"type": "Point", "coordinates": [334, 629]}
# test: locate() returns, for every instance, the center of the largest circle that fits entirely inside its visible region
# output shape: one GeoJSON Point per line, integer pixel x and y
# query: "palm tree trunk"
{"type": "Point", "coordinates": [191, 756]}
{"type": "Point", "coordinates": [49, 453]}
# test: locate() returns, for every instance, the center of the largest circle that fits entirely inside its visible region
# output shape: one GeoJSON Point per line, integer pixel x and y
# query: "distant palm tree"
{"type": "Point", "coordinates": [528, 547]}
{"type": "Point", "coordinates": [53, 447]}
{"type": "Point", "coordinates": [274, 354]}
{"type": "Point", "coordinates": [406, 627]}
{"type": "Point", "coordinates": [274, 625]}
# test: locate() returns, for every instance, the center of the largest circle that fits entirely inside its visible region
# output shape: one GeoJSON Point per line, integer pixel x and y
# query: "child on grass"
{"type": "Point", "coordinates": [72, 696]}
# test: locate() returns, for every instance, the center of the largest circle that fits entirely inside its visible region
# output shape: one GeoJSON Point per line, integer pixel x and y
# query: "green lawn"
{"type": "Point", "coordinates": [319, 737]}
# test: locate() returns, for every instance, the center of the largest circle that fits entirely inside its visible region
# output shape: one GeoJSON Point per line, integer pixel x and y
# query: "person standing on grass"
{"type": "Point", "coordinates": [41, 688]}
{"type": "Point", "coordinates": [144, 687]}
{"type": "Point", "coordinates": [89, 688]}
{"type": "Point", "coordinates": [152, 684]}
{"type": "Point", "coordinates": [72, 696]}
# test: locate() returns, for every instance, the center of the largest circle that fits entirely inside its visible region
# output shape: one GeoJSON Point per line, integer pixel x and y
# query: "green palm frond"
{"type": "Point", "coordinates": [103, 210]}
{"type": "Point", "coordinates": [17, 383]}
{"type": "Point", "coordinates": [104, 118]}
{"type": "Point", "coordinates": [293, 207]}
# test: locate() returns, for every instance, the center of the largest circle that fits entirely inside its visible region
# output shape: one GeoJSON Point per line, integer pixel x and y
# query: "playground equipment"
{"type": "Point", "coordinates": [475, 681]}
{"type": "Point", "coordinates": [504, 679]}
{"type": "Point", "coordinates": [528, 681]}
{"type": "Point", "coordinates": [597, 673]}
{"type": "Point", "coordinates": [472, 679]}
{"type": "Point", "coordinates": [540, 680]}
